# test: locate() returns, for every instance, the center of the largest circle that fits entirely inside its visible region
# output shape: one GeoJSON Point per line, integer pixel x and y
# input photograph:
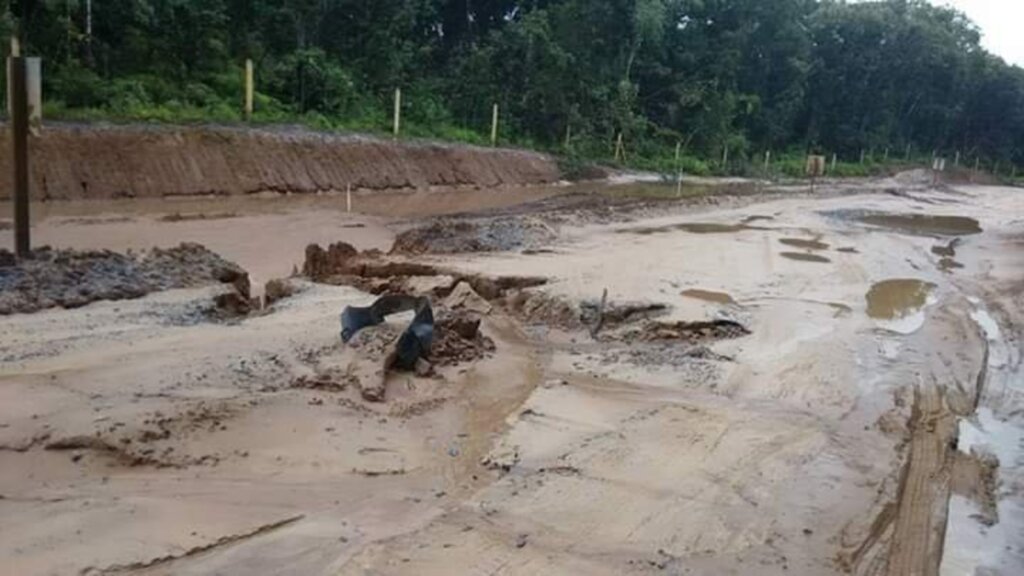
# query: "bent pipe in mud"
{"type": "Point", "coordinates": [415, 341]}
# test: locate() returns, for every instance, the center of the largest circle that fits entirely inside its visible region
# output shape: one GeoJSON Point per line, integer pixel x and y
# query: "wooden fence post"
{"type": "Point", "coordinates": [250, 89]}
{"type": "Point", "coordinates": [398, 112]}
{"type": "Point", "coordinates": [494, 126]}
{"type": "Point", "coordinates": [19, 135]}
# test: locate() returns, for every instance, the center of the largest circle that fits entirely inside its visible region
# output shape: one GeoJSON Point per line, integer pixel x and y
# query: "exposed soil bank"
{"type": "Point", "coordinates": [87, 161]}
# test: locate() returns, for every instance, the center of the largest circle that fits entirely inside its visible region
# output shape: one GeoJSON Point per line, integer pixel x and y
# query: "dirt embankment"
{"type": "Point", "coordinates": [89, 162]}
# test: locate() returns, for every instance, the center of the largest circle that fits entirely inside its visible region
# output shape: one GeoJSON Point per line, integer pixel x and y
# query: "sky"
{"type": "Point", "coordinates": [1000, 22]}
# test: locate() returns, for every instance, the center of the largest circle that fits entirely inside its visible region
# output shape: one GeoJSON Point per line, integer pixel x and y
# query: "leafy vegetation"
{"type": "Point", "coordinates": [725, 79]}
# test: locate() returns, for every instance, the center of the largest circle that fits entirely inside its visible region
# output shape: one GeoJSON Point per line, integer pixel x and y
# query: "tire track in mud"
{"type": "Point", "coordinates": [919, 524]}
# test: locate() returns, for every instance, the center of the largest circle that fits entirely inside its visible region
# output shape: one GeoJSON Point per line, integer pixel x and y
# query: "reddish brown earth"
{"type": "Point", "coordinates": [97, 162]}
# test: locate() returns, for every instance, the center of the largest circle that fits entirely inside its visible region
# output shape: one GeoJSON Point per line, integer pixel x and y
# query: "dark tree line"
{"type": "Point", "coordinates": [746, 74]}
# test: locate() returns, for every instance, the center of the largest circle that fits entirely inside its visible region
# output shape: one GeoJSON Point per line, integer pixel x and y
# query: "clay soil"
{"type": "Point", "coordinates": [626, 382]}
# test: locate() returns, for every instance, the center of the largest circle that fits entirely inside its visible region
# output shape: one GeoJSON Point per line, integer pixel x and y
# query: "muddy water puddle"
{"type": "Point", "coordinates": [695, 228]}
{"type": "Point", "coordinates": [815, 245]}
{"type": "Point", "coordinates": [805, 257]}
{"type": "Point", "coordinates": [916, 224]}
{"type": "Point", "coordinates": [709, 296]}
{"type": "Point", "coordinates": [899, 298]}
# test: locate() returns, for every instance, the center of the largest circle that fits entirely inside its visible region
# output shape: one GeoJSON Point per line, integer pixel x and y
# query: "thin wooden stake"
{"type": "Point", "coordinates": [398, 112]}
{"type": "Point", "coordinates": [494, 126]}
{"type": "Point", "coordinates": [250, 89]}
{"type": "Point", "coordinates": [679, 169]}
{"type": "Point", "coordinates": [834, 159]}
{"type": "Point", "coordinates": [767, 160]}
{"type": "Point", "coordinates": [348, 197]}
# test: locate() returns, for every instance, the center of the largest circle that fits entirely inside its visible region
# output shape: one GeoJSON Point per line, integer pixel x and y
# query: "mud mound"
{"type": "Point", "coordinates": [457, 236]}
{"type": "Point", "coordinates": [458, 339]}
{"type": "Point", "coordinates": [82, 161]}
{"type": "Point", "coordinates": [70, 278]}
{"type": "Point", "coordinates": [691, 332]}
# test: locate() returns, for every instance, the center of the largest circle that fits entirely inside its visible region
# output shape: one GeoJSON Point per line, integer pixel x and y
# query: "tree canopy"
{"type": "Point", "coordinates": [747, 74]}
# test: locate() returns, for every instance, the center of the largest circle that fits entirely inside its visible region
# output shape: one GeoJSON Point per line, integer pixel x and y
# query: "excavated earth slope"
{"type": "Point", "coordinates": [71, 161]}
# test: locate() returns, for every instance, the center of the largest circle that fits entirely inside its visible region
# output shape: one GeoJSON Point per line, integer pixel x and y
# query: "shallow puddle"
{"type": "Point", "coordinates": [695, 228]}
{"type": "Point", "coordinates": [709, 296]}
{"type": "Point", "coordinates": [804, 257]}
{"type": "Point", "coordinates": [895, 299]}
{"type": "Point", "coordinates": [805, 244]}
{"type": "Point", "coordinates": [923, 224]}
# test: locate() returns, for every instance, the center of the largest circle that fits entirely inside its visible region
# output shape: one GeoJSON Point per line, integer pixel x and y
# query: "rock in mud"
{"type": "Point", "coordinates": [279, 289]}
{"type": "Point", "coordinates": [463, 297]}
{"type": "Point", "coordinates": [72, 278]}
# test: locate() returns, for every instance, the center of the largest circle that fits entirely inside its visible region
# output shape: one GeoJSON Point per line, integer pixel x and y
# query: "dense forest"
{"type": "Point", "coordinates": [746, 75]}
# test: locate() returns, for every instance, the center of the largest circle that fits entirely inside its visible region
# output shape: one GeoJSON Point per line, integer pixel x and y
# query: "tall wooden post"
{"type": "Point", "coordinates": [834, 160]}
{"type": "Point", "coordinates": [956, 163]}
{"type": "Point", "coordinates": [19, 133]}
{"type": "Point", "coordinates": [568, 133]}
{"type": "Point", "coordinates": [398, 111]}
{"type": "Point", "coordinates": [494, 126]}
{"type": "Point", "coordinates": [250, 89]}
{"type": "Point", "coordinates": [906, 156]}
{"type": "Point", "coordinates": [725, 156]}
{"type": "Point", "coordinates": [619, 152]}
{"type": "Point", "coordinates": [767, 160]}
{"type": "Point", "coordinates": [861, 155]}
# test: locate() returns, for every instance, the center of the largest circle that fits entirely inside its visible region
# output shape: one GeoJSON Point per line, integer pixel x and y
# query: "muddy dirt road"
{"type": "Point", "coordinates": [773, 384]}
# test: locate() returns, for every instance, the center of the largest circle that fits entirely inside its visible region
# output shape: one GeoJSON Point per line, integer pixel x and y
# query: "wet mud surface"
{"type": "Point", "coordinates": [597, 401]}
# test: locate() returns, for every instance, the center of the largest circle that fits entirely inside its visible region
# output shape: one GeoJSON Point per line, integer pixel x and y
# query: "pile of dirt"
{"type": "Point", "coordinates": [451, 236]}
{"type": "Point", "coordinates": [458, 339]}
{"type": "Point", "coordinates": [71, 278]}
{"type": "Point", "coordinates": [690, 332]}
{"type": "Point", "coordinates": [78, 161]}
